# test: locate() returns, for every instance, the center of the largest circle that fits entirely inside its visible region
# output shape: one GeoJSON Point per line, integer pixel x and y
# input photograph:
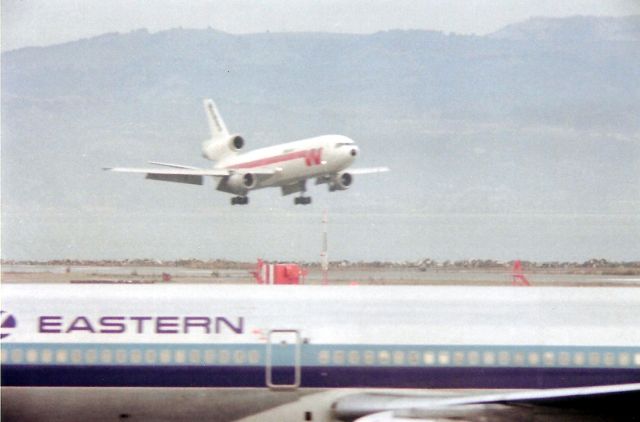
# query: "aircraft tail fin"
{"type": "Point", "coordinates": [216, 124]}
{"type": "Point", "coordinates": [221, 144]}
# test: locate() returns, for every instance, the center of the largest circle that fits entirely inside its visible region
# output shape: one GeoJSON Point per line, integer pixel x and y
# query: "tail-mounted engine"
{"type": "Point", "coordinates": [341, 181]}
{"type": "Point", "coordinates": [221, 144]}
{"type": "Point", "coordinates": [216, 149]}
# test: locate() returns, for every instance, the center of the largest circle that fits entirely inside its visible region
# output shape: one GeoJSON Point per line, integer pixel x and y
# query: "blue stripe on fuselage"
{"type": "Point", "coordinates": [312, 377]}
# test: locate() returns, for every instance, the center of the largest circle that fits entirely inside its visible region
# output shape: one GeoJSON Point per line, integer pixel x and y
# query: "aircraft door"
{"type": "Point", "coordinates": [284, 355]}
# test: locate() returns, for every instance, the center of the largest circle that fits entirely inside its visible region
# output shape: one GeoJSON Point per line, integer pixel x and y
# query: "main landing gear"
{"type": "Point", "coordinates": [302, 200]}
{"type": "Point", "coordinates": [240, 200]}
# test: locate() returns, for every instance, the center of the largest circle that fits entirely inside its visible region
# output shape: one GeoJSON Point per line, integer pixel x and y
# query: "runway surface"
{"type": "Point", "coordinates": [20, 273]}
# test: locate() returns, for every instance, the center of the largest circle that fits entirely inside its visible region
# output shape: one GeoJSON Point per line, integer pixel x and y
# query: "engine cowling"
{"type": "Point", "coordinates": [341, 181]}
{"type": "Point", "coordinates": [236, 142]}
{"type": "Point", "coordinates": [241, 183]}
{"type": "Point", "coordinates": [217, 149]}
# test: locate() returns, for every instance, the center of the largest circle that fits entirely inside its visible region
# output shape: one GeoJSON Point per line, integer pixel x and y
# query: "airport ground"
{"type": "Point", "coordinates": [143, 274]}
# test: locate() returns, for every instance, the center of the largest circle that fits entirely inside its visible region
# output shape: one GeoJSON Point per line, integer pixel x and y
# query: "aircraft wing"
{"type": "Point", "coordinates": [185, 174]}
{"type": "Point", "coordinates": [178, 166]}
{"type": "Point", "coordinates": [368, 170]}
{"type": "Point", "coordinates": [609, 402]}
{"type": "Point", "coordinates": [176, 171]}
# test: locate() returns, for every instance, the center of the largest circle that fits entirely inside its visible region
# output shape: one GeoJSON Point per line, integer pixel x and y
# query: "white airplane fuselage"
{"type": "Point", "coordinates": [222, 352]}
{"type": "Point", "coordinates": [296, 161]}
{"type": "Point", "coordinates": [535, 333]}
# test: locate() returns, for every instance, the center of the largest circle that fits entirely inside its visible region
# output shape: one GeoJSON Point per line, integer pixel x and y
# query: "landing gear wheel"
{"type": "Point", "coordinates": [240, 200]}
{"type": "Point", "coordinates": [302, 200]}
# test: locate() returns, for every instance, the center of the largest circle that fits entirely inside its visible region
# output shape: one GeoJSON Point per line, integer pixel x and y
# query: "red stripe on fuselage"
{"type": "Point", "coordinates": [312, 156]}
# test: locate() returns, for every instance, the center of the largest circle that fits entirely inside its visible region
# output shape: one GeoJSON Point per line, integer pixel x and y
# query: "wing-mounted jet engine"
{"type": "Point", "coordinates": [340, 181]}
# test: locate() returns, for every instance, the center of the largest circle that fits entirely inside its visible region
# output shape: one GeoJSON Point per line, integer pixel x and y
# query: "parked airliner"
{"type": "Point", "coordinates": [288, 166]}
{"type": "Point", "coordinates": [318, 353]}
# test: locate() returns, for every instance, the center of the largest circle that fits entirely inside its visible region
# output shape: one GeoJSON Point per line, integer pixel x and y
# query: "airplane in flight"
{"type": "Point", "coordinates": [319, 353]}
{"type": "Point", "coordinates": [288, 166]}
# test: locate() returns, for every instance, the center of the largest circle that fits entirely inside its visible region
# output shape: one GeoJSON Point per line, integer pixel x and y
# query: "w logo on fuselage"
{"type": "Point", "coordinates": [313, 157]}
{"type": "Point", "coordinates": [8, 324]}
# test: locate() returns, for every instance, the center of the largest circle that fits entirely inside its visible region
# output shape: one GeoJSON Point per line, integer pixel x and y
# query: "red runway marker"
{"type": "Point", "coordinates": [518, 275]}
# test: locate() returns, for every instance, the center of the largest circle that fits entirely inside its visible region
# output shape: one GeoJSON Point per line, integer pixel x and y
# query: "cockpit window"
{"type": "Point", "coordinates": [341, 144]}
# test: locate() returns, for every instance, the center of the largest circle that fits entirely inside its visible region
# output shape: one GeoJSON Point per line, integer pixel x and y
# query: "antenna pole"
{"type": "Point", "coordinates": [324, 257]}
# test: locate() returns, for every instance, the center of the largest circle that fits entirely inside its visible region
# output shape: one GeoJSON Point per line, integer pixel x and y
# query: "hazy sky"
{"type": "Point", "coordinates": [44, 22]}
{"type": "Point", "coordinates": [205, 227]}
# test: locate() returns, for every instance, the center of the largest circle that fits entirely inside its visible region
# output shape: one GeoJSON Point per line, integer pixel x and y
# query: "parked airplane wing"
{"type": "Point", "coordinates": [368, 170]}
{"type": "Point", "coordinates": [581, 401]}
